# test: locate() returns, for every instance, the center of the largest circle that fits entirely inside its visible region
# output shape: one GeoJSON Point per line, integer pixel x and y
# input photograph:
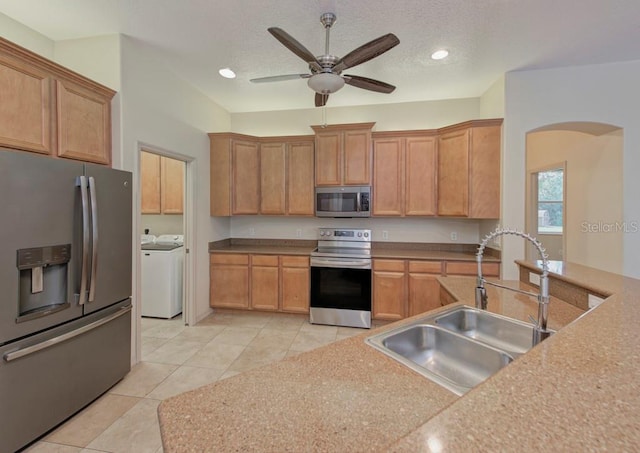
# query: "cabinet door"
{"type": "Point", "coordinates": [246, 178]}
{"type": "Point", "coordinates": [172, 186]}
{"type": "Point", "coordinates": [25, 107]}
{"type": "Point", "coordinates": [229, 284]}
{"type": "Point", "coordinates": [84, 124]}
{"type": "Point", "coordinates": [150, 181]}
{"type": "Point", "coordinates": [453, 173]}
{"type": "Point", "coordinates": [424, 293]}
{"type": "Point", "coordinates": [388, 171]}
{"type": "Point", "coordinates": [272, 178]}
{"type": "Point", "coordinates": [295, 289]}
{"type": "Point", "coordinates": [389, 289]}
{"type": "Point", "coordinates": [300, 186]}
{"type": "Point", "coordinates": [220, 175]}
{"type": "Point", "coordinates": [485, 172]}
{"type": "Point", "coordinates": [264, 282]}
{"type": "Point", "coordinates": [329, 159]}
{"type": "Point", "coordinates": [420, 176]}
{"type": "Point", "coordinates": [357, 157]}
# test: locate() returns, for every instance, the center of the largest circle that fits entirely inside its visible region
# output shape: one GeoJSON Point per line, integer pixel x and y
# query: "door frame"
{"type": "Point", "coordinates": [188, 306]}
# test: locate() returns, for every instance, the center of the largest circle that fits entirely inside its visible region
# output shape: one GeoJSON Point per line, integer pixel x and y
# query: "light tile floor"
{"type": "Point", "coordinates": [175, 359]}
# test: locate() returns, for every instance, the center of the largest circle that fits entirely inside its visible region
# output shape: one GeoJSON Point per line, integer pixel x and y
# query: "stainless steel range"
{"type": "Point", "coordinates": [341, 278]}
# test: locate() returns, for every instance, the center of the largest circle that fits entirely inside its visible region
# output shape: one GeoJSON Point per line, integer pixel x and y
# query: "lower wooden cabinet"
{"type": "Point", "coordinates": [265, 286]}
{"type": "Point", "coordinates": [403, 288]}
{"type": "Point", "coordinates": [229, 286]}
{"type": "Point", "coordinates": [424, 289]}
{"type": "Point", "coordinates": [260, 282]}
{"type": "Point", "coordinates": [294, 284]}
{"type": "Point", "coordinates": [389, 290]}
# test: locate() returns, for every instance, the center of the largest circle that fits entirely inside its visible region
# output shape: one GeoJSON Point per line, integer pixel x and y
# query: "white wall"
{"type": "Point", "coordinates": [398, 230]}
{"type": "Point", "coordinates": [97, 58]}
{"type": "Point", "coordinates": [161, 224]}
{"type": "Point", "coordinates": [26, 37]}
{"type": "Point", "coordinates": [492, 106]}
{"type": "Point", "coordinates": [162, 111]}
{"type": "Point", "coordinates": [605, 93]}
{"type": "Point", "coordinates": [388, 117]}
{"type": "Point", "coordinates": [593, 195]}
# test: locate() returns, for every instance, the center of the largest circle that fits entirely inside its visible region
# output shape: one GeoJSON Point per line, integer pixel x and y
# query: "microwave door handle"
{"type": "Point", "coordinates": [358, 201]}
{"type": "Point", "coordinates": [94, 245]}
{"type": "Point", "coordinates": [81, 182]}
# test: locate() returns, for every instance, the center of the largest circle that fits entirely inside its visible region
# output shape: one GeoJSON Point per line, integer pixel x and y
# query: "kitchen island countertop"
{"type": "Point", "coordinates": [343, 397]}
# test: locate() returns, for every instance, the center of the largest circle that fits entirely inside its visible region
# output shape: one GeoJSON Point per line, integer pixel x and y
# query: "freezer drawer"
{"type": "Point", "coordinates": [48, 377]}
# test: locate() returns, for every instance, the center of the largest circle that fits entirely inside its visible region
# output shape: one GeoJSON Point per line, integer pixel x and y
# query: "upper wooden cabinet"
{"type": "Point", "coordinates": [469, 170]}
{"type": "Point", "coordinates": [245, 179]}
{"type": "Point", "coordinates": [172, 185]}
{"type": "Point", "coordinates": [150, 182]}
{"type": "Point", "coordinates": [286, 176]}
{"type": "Point", "coordinates": [343, 154]}
{"type": "Point", "coordinates": [162, 184]}
{"type": "Point", "coordinates": [84, 123]}
{"type": "Point", "coordinates": [404, 174]}
{"type": "Point", "coordinates": [227, 149]}
{"type": "Point", "coordinates": [270, 176]}
{"type": "Point", "coordinates": [49, 109]}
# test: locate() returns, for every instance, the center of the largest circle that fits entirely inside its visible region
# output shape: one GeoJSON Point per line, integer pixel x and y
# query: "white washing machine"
{"type": "Point", "coordinates": [162, 263]}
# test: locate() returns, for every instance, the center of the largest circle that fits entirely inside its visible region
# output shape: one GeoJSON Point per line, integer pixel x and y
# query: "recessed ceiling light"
{"type": "Point", "coordinates": [227, 73]}
{"type": "Point", "coordinates": [440, 54]}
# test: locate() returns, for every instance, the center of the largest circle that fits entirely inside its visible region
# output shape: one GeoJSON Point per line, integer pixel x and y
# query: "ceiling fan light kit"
{"type": "Point", "coordinates": [325, 82]}
{"type": "Point", "coordinates": [325, 70]}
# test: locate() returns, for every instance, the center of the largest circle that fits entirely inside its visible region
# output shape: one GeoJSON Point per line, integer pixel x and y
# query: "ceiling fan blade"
{"type": "Point", "coordinates": [367, 51]}
{"type": "Point", "coordinates": [294, 46]}
{"type": "Point", "coordinates": [321, 99]}
{"type": "Point", "coordinates": [368, 84]}
{"type": "Point", "coordinates": [280, 78]}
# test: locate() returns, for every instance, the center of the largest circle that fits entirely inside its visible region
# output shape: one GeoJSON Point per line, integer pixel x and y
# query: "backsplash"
{"type": "Point", "coordinates": [430, 230]}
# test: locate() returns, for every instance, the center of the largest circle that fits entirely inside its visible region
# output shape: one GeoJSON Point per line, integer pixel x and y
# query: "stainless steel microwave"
{"type": "Point", "coordinates": [343, 201]}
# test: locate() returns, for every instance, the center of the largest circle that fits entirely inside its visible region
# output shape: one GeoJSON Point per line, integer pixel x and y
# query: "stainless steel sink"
{"type": "Point", "coordinates": [507, 334]}
{"type": "Point", "coordinates": [456, 348]}
{"type": "Point", "coordinates": [457, 363]}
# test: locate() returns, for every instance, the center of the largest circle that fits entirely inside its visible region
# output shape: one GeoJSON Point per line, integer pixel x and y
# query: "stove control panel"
{"type": "Point", "coordinates": [345, 234]}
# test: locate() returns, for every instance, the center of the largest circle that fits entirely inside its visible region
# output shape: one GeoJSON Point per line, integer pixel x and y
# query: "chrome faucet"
{"type": "Point", "coordinates": [540, 332]}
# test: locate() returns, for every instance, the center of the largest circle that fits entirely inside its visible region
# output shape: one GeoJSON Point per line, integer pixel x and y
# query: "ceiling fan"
{"type": "Point", "coordinates": [326, 70]}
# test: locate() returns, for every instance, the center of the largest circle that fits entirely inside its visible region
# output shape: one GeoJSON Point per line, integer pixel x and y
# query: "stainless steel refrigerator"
{"type": "Point", "coordinates": [65, 289]}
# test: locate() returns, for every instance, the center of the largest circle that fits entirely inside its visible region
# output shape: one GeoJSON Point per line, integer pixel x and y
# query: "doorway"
{"type": "Point", "coordinates": [165, 207]}
{"type": "Point", "coordinates": [592, 193]}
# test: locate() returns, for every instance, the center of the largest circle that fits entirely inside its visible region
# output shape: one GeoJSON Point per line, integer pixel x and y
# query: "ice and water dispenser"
{"type": "Point", "coordinates": [43, 280]}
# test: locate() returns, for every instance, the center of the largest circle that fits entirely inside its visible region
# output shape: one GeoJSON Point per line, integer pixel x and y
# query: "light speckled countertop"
{"type": "Point", "coordinates": [347, 396]}
{"type": "Point", "coordinates": [577, 391]}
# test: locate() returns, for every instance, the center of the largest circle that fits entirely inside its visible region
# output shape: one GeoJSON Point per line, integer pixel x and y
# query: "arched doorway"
{"type": "Point", "coordinates": [577, 216]}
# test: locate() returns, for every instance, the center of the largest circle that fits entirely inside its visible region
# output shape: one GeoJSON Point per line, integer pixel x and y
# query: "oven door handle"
{"type": "Point", "coordinates": [340, 263]}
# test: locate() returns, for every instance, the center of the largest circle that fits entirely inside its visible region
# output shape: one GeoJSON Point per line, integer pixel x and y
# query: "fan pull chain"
{"type": "Point", "coordinates": [324, 115]}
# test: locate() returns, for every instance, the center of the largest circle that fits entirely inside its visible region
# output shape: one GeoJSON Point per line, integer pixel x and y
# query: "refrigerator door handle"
{"type": "Point", "coordinates": [94, 245]}
{"type": "Point", "coordinates": [81, 181]}
{"type": "Point", "coordinates": [13, 355]}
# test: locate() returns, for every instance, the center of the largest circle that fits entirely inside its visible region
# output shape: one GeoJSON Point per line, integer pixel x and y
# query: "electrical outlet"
{"type": "Point", "coordinates": [385, 235]}
{"type": "Point", "coordinates": [299, 233]}
{"type": "Point", "coordinates": [454, 236]}
{"type": "Point", "coordinates": [252, 231]}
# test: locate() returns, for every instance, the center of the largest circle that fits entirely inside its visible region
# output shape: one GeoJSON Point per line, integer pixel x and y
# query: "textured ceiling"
{"type": "Point", "coordinates": [486, 38]}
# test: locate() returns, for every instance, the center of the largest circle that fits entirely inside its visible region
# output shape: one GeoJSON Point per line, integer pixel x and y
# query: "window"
{"type": "Point", "coordinates": [550, 201]}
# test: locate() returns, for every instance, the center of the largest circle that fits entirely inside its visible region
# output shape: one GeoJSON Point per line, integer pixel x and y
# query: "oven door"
{"type": "Point", "coordinates": [340, 295]}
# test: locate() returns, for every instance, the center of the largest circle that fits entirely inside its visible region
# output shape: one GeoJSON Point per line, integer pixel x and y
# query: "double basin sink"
{"type": "Point", "coordinates": [457, 348]}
